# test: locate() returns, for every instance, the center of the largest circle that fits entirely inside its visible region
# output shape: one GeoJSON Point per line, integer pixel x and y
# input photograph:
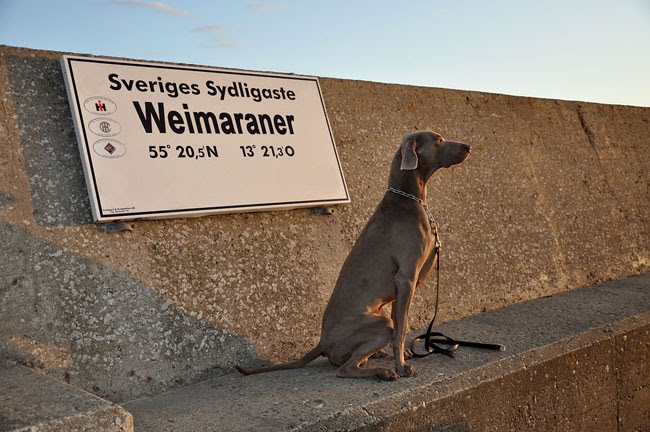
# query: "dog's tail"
{"type": "Point", "coordinates": [307, 358]}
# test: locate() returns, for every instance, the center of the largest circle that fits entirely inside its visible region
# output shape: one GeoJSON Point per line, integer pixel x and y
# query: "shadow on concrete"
{"type": "Point", "coordinates": [99, 329]}
{"type": "Point", "coordinates": [49, 145]}
{"type": "Point", "coordinates": [446, 428]}
{"type": "Point", "coordinates": [6, 199]}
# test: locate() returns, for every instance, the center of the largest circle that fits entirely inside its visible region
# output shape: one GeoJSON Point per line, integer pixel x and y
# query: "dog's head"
{"type": "Point", "coordinates": [428, 151]}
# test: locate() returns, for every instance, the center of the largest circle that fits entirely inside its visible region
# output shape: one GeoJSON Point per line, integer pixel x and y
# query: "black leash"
{"type": "Point", "coordinates": [433, 339]}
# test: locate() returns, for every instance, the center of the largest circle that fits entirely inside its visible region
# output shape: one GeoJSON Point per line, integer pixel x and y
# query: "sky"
{"type": "Point", "coordinates": [586, 50]}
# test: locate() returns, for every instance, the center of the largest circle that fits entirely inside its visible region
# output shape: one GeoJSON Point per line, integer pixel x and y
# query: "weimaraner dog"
{"type": "Point", "coordinates": [393, 255]}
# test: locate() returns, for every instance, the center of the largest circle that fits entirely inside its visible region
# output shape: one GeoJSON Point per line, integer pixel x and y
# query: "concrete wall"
{"type": "Point", "coordinates": [597, 385]}
{"type": "Point", "coordinates": [556, 195]}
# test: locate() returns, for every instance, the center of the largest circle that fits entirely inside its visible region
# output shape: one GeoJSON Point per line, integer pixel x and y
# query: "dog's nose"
{"type": "Point", "coordinates": [465, 151]}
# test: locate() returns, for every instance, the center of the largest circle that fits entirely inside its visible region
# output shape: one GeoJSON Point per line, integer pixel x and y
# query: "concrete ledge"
{"type": "Point", "coordinates": [32, 402]}
{"type": "Point", "coordinates": [574, 361]}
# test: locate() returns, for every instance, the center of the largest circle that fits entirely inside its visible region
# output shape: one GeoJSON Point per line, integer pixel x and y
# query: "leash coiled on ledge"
{"type": "Point", "coordinates": [432, 340]}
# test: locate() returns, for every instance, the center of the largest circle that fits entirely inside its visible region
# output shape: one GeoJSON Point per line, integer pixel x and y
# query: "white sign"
{"type": "Point", "coordinates": [161, 140]}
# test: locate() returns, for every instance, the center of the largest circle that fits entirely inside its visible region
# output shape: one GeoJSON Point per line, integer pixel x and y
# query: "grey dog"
{"type": "Point", "coordinates": [392, 256]}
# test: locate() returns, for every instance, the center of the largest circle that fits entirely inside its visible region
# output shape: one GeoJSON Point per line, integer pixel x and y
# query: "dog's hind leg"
{"type": "Point", "coordinates": [372, 334]}
{"type": "Point", "coordinates": [380, 354]}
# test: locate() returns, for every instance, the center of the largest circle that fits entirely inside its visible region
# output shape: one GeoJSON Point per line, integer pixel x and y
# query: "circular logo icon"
{"type": "Point", "coordinates": [109, 148]}
{"type": "Point", "coordinates": [105, 126]}
{"type": "Point", "coordinates": [100, 105]}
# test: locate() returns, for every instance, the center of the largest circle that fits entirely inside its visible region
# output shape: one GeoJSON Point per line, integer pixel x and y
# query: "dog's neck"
{"type": "Point", "coordinates": [409, 181]}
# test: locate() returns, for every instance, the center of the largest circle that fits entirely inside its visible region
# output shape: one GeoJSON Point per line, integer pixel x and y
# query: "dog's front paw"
{"type": "Point", "coordinates": [407, 371]}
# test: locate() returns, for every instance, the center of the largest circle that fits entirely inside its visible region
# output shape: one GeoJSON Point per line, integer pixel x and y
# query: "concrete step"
{"type": "Point", "coordinates": [30, 401]}
{"type": "Point", "coordinates": [574, 361]}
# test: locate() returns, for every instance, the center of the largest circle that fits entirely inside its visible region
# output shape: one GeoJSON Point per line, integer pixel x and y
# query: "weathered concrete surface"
{"type": "Point", "coordinates": [555, 196]}
{"type": "Point", "coordinates": [574, 361]}
{"type": "Point", "coordinates": [588, 389]}
{"type": "Point", "coordinates": [99, 329]}
{"type": "Point", "coordinates": [31, 402]}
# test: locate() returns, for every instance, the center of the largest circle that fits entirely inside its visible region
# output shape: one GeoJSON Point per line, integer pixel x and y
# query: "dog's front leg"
{"type": "Point", "coordinates": [405, 289]}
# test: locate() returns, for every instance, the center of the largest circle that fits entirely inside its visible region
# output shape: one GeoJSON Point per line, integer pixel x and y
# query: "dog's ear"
{"type": "Point", "coordinates": [409, 156]}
